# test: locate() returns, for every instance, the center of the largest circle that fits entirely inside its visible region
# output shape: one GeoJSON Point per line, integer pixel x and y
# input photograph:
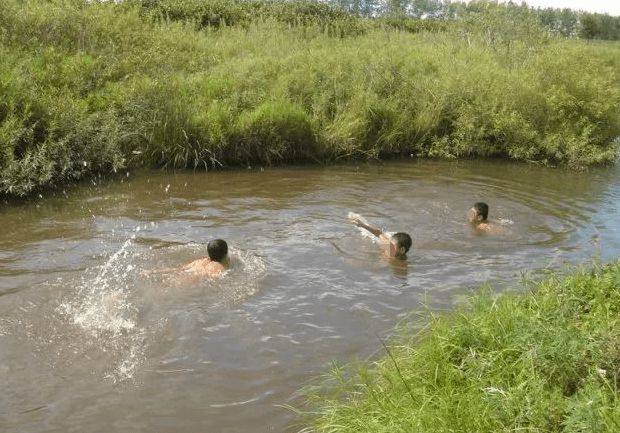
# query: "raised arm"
{"type": "Point", "coordinates": [375, 231]}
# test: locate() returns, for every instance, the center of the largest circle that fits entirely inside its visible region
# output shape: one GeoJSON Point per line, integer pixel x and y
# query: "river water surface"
{"type": "Point", "coordinates": [89, 344]}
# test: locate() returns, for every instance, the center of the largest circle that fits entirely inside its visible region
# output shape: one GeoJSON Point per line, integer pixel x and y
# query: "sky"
{"type": "Point", "coordinates": [611, 7]}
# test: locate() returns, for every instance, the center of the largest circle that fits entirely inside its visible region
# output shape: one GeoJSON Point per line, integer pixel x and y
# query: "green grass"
{"type": "Point", "coordinates": [543, 360]}
{"type": "Point", "coordinates": [89, 88]}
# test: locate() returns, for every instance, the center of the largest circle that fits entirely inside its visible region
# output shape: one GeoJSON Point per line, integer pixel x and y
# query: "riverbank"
{"type": "Point", "coordinates": [90, 88]}
{"type": "Point", "coordinates": [544, 360]}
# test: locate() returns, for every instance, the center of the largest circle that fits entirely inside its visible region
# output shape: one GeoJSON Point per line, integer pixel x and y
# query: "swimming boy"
{"type": "Point", "coordinates": [213, 266]}
{"type": "Point", "coordinates": [478, 216]}
{"type": "Point", "coordinates": [396, 246]}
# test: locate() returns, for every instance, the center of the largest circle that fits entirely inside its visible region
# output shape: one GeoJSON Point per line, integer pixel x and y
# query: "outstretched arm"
{"type": "Point", "coordinates": [375, 231]}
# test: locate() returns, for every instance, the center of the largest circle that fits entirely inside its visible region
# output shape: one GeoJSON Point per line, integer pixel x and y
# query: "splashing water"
{"type": "Point", "coordinates": [365, 233]}
{"type": "Point", "coordinates": [242, 281]}
{"type": "Point", "coordinates": [101, 304]}
{"type": "Point", "coordinates": [100, 317]}
{"type": "Point", "coordinates": [102, 310]}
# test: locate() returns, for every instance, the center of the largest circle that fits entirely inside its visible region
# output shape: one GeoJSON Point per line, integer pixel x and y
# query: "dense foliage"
{"type": "Point", "coordinates": [547, 360]}
{"type": "Point", "coordinates": [89, 88]}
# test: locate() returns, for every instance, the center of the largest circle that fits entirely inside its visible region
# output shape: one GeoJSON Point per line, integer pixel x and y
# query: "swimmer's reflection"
{"type": "Point", "coordinates": [400, 268]}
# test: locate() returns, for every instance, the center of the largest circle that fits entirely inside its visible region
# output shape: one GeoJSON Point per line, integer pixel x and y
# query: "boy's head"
{"type": "Point", "coordinates": [217, 249]}
{"type": "Point", "coordinates": [400, 244]}
{"type": "Point", "coordinates": [479, 212]}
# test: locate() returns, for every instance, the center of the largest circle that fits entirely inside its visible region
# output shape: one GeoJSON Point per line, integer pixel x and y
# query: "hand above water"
{"type": "Point", "coordinates": [356, 221]}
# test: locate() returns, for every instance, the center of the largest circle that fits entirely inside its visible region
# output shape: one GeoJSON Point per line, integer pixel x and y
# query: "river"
{"type": "Point", "coordinates": [88, 343]}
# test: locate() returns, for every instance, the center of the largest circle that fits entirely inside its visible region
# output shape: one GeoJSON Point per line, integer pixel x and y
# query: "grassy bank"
{"type": "Point", "coordinates": [89, 88]}
{"type": "Point", "coordinates": [547, 360]}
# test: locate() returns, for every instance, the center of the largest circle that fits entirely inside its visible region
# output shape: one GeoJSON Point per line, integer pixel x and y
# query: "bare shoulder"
{"type": "Point", "coordinates": [196, 265]}
{"type": "Point", "coordinates": [214, 269]}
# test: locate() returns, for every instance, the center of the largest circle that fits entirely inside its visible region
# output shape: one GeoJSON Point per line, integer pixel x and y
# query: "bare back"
{"type": "Point", "coordinates": [203, 268]}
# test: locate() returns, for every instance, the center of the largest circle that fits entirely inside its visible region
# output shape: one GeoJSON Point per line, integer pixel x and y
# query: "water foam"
{"type": "Point", "coordinates": [505, 221]}
{"type": "Point", "coordinates": [244, 277]}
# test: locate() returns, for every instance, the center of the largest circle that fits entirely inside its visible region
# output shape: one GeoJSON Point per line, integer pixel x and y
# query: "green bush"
{"type": "Point", "coordinates": [275, 131]}
{"type": "Point", "coordinates": [139, 84]}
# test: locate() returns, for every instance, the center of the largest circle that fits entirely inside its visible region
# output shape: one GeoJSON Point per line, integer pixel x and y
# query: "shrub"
{"type": "Point", "coordinates": [143, 83]}
{"type": "Point", "coordinates": [275, 131]}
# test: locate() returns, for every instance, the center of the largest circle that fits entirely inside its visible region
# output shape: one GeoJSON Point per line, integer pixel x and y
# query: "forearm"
{"type": "Point", "coordinates": [375, 231]}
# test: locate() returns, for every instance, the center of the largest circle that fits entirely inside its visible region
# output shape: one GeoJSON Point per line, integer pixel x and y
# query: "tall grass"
{"type": "Point", "coordinates": [547, 360]}
{"type": "Point", "coordinates": [220, 13]}
{"type": "Point", "coordinates": [88, 87]}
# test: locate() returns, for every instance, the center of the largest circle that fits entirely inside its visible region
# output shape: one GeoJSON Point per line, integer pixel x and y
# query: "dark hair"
{"type": "Point", "coordinates": [482, 209]}
{"type": "Point", "coordinates": [217, 249]}
{"type": "Point", "coordinates": [402, 240]}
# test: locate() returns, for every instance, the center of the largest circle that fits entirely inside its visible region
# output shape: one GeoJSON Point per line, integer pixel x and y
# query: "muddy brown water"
{"type": "Point", "coordinates": [89, 344]}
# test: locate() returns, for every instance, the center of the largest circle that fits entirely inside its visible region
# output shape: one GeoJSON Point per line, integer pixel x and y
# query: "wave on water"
{"type": "Point", "coordinates": [243, 279]}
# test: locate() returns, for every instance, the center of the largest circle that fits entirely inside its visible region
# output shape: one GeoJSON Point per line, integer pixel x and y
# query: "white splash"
{"type": "Point", "coordinates": [102, 310]}
{"type": "Point", "coordinates": [243, 279]}
{"type": "Point", "coordinates": [365, 233]}
{"type": "Point", "coordinates": [101, 304]}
